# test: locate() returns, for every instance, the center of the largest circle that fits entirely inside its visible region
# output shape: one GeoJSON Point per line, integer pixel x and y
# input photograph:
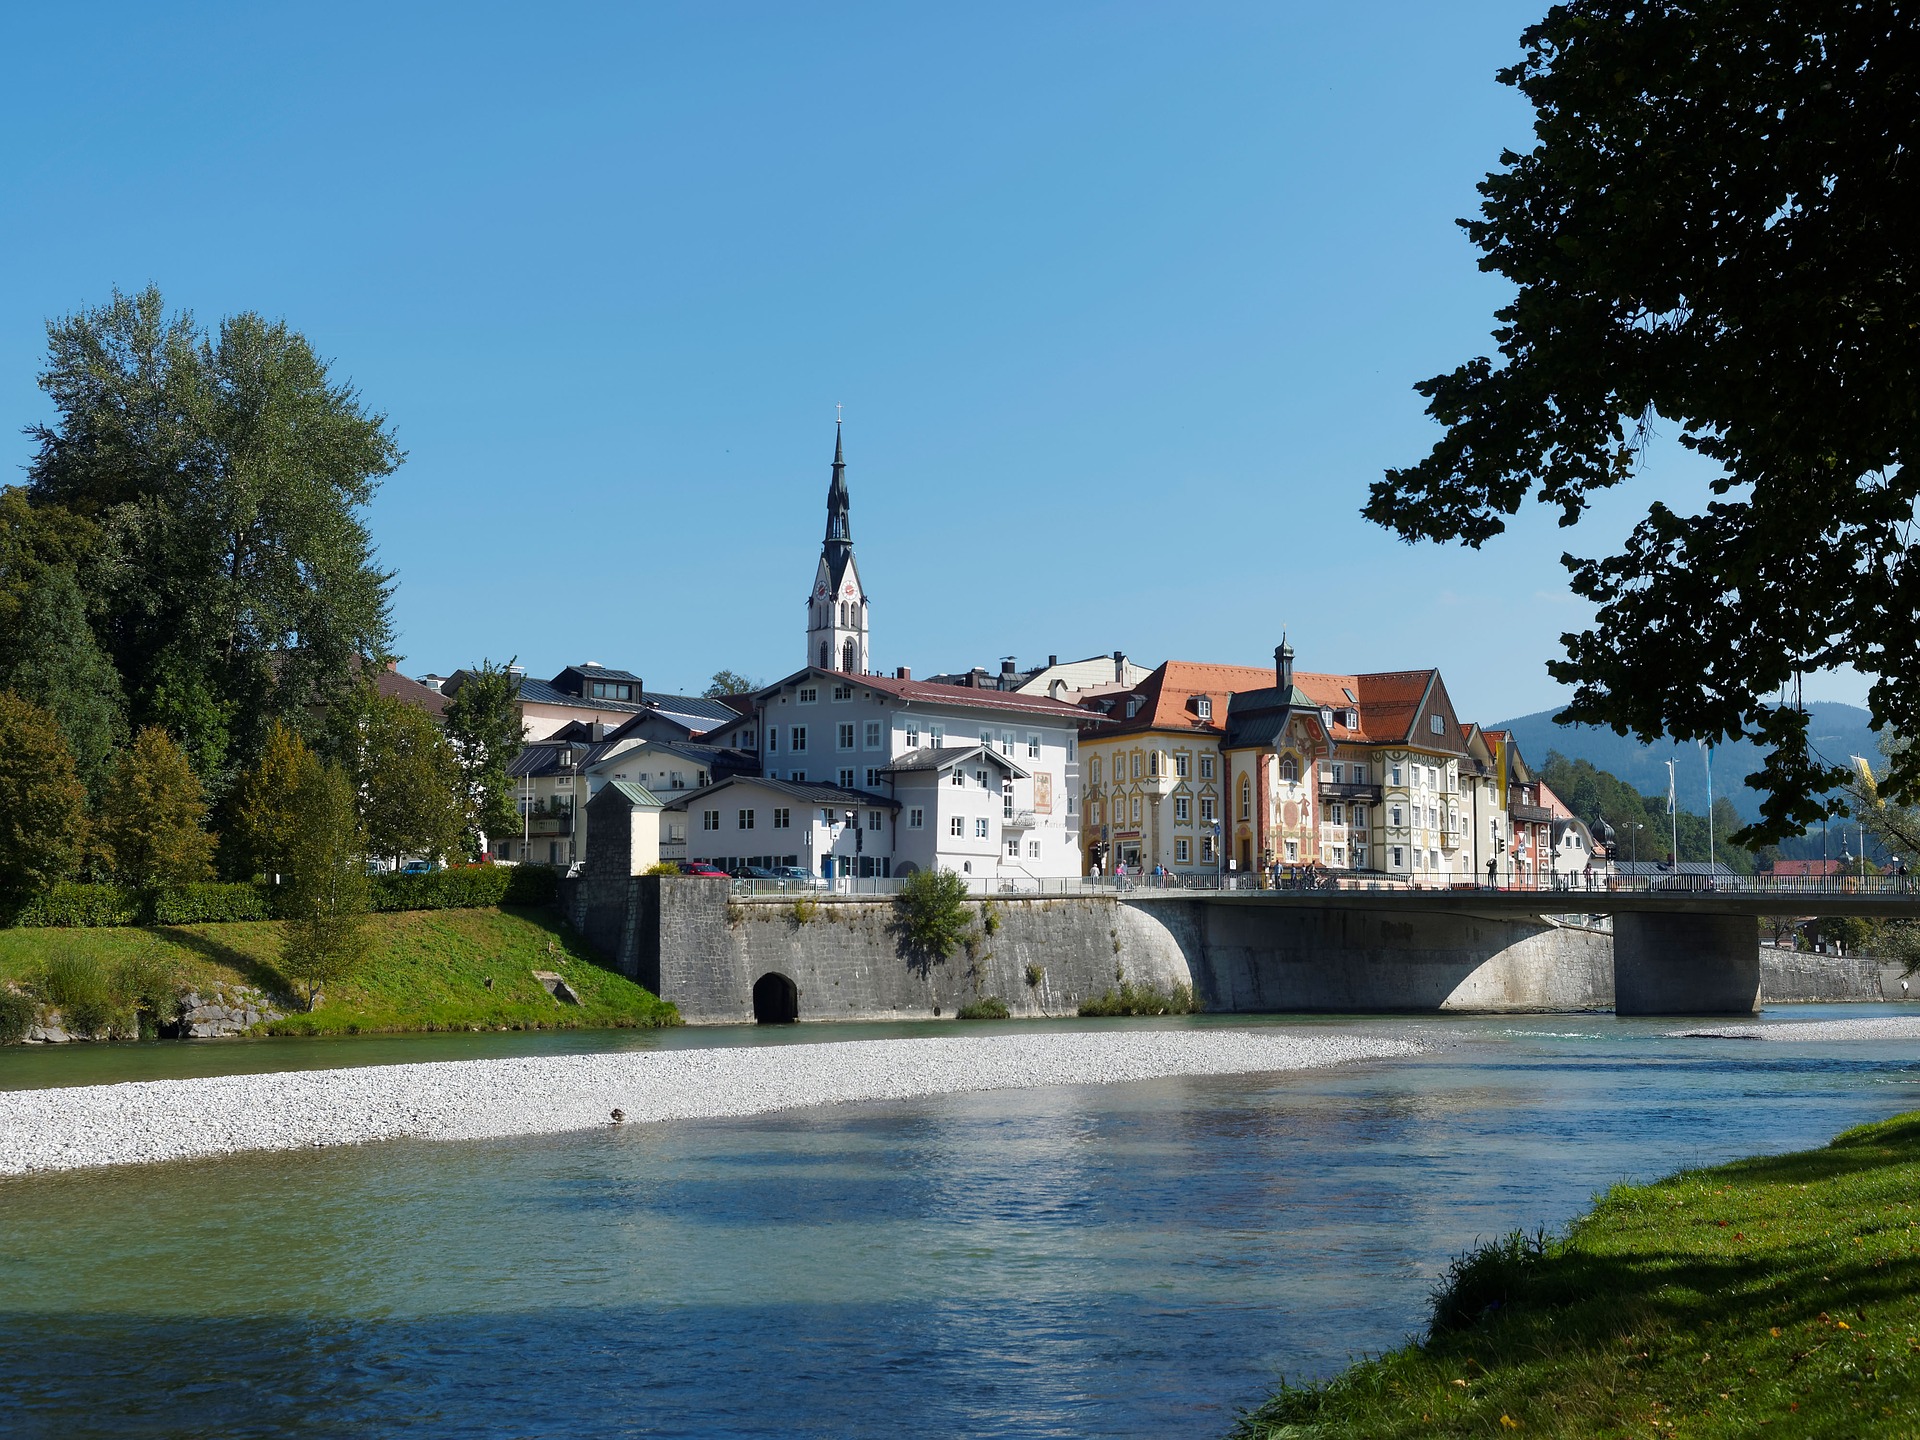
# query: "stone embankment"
{"type": "Point", "coordinates": [482, 1099]}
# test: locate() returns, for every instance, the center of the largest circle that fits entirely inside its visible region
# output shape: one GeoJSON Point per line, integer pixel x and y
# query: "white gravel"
{"type": "Point", "coordinates": [1889, 1027]}
{"type": "Point", "coordinates": [155, 1120]}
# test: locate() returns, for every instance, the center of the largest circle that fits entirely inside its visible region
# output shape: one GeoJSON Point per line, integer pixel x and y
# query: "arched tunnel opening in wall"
{"type": "Point", "coordinates": [776, 1000]}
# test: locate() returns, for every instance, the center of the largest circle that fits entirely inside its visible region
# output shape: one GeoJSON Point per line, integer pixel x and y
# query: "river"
{"type": "Point", "coordinates": [1129, 1260]}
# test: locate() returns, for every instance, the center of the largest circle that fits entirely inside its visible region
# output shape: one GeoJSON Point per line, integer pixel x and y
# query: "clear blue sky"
{"type": "Point", "coordinates": [1124, 303]}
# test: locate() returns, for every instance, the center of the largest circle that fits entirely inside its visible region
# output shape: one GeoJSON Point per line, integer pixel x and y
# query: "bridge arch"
{"type": "Point", "coordinates": [776, 1000]}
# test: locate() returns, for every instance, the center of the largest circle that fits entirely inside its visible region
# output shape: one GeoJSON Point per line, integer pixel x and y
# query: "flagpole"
{"type": "Point", "coordinates": [1673, 815]}
{"type": "Point", "coordinates": [1708, 751]}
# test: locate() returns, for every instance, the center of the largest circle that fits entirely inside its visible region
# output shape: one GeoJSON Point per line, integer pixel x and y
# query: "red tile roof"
{"type": "Point", "coordinates": [1389, 702]}
{"type": "Point", "coordinates": [1805, 868]}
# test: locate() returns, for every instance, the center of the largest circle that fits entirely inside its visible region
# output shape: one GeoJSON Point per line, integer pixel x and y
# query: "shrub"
{"type": "Point", "coordinates": [17, 1014]}
{"type": "Point", "coordinates": [987, 1007]}
{"type": "Point", "coordinates": [806, 910]}
{"type": "Point", "coordinates": [933, 916]}
{"type": "Point", "coordinates": [467, 887]}
{"type": "Point", "coordinates": [77, 985]}
{"type": "Point", "coordinates": [72, 904]}
{"type": "Point", "coordinates": [1035, 974]}
{"type": "Point", "coordinates": [1484, 1279]}
{"type": "Point", "coordinates": [661, 867]}
{"type": "Point", "coordinates": [208, 903]}
{"type": "Point", "coordinates": [1142, 1000]}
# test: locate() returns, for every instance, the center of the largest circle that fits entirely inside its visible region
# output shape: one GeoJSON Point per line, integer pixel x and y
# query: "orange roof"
{"type": "Point", "coordinates": [1387, 702]}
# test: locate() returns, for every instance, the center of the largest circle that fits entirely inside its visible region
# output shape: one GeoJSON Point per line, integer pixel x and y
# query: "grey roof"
{"type": "Point", "coordinates": [1259, 717]}
{"type": "Point", "coordinates": [812, 792]}
{"type": "Point", "coordinates": [697, 707]}
{"type": "Point", "coordinates": [1655, 868]}
{"type": "Point", "coordinates": [928, 757]}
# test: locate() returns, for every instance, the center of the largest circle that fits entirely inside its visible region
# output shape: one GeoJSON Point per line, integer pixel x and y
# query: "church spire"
{"type": "Point", "coordinates": [839, 542]}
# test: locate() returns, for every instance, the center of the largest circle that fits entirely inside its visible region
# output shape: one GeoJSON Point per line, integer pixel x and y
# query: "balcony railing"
{"type": "Point", "coordinates": [1531, 814]}
{"type": "Point", "coordinates": [1348, 790]}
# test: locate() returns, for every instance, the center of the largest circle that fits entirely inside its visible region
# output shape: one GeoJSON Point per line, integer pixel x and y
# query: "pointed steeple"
{"type": "Point", "coordinates": [839, 542]}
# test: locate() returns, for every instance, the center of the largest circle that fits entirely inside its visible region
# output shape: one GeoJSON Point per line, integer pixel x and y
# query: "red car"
{"type": "Point", "coordinates": [701, 868]}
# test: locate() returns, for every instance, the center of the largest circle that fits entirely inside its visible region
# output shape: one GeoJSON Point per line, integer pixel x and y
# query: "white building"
{"type": "Point", "coordinates": [986, 782]}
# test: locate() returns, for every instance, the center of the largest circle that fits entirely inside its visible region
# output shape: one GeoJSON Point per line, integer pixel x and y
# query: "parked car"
{"type": "Point", "coordinates": [701, 868]}
{"type": "Point", "coordinates": [417, 867]}
{"type": "Point", "coordinates": [795, 875]}
{"type": "Point", "coordinates": [752, 872]}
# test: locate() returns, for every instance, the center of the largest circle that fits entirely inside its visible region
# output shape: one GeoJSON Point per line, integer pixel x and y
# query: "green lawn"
{"type": "Point", "coordinates": [1770, 1296]}
{"type": "Point", "coordinates": [428, 970]}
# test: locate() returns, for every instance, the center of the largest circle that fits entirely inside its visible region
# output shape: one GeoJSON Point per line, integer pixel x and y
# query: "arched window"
{"type": "Point", "coordinates": [1246, 798]}
{"type": "Point", "coordinates": [1289, 771]}
{"type": "Point", "coordinates": [846, 613]}
{"type": "Point", "coordinates": [823, 654]}
{"type": "Point", "coordinates": [850, 656]}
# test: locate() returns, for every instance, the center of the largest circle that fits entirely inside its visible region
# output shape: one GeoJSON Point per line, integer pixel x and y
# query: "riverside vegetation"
{"type": "Point", "coordinates": [1776, 1295]}
{"type": "Point", "coordinates": [425, 970]}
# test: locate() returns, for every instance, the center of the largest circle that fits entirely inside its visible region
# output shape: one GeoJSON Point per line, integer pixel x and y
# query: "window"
{"type": "Point", "coordinates": [1136, 764]}
{"type": "Point", "coordinates": [1006, 799]}
{"type": "Point", "coordinates": [1181, 765]}
{"type": "Point", "coordinates": [1136, 809]}
{"type": "Point", "coordinates": [1093, 770]}
{"type": "Point", "coordinates": [709, 819]}
{"type": "Point", "coordinates": [1072, 801]}
{"type": "Point", "coordinates": [746, 740]}
{"type": "Point", "coordinates": [1153, 762]}
{"type": "Point", "coordinates": [1359, 772]}
{"type": "Point", "coordinates": [1006, 742]}
{"type": "Point", "coordinates": [798, 740]}
{"type": "Point", "coordinates": [1289, 772]}
{"type": "Point", "coordinates": [981, 776]}
{"type": "Point", "coordinates": [1182, 852]}
{"type": "Point", "coordinates": [986, 738]}
{"type": "Point", "coordinates": [808, 695]}
{"type": "Point", "coordinates": [1393, 772]}
{"type": "Point", "coordinates": [563, 780]}
{"type": "Point", "coordinates": [844, 736]}
{"type": "Point", "coordinates": [873, 734]}
{"type": "Point", "coordinates": [1246, 798]}
{"type": "Point", "coordinates": [846, 778]}
{"type": "Point", "coordinates": [782, 819]}
{"type": "Point", "coordinates": [1093, 811]}
{"type": "Point", "coordinates": [1203, 707]}
{"type": "Point", "coordinates": [873, 776]}
{"type": "Point", "coordinates": [1339, 775]}
{"type": "Point", "coordinates": [799, 775]}
{"type": "Point", "coordinates": [876, 820]}
{"type": "Point", "coordinates": [980, 828]}
{"type": "Point", "coordinates": [1436, 724]}
{"type": "Point", "coordinates": [843, 692]}
{"type": "Point", "coordinates": [937, 736]}
{"type": "Point", "coordinates": [773, 740]}
{"type": "Point", "coordinates": [1206, 809]}
{"type": "Point", "coordinates": [913, 734]}
{"type": "Point", "coordinates": [1293, 852]}
{"type": "Point", "coordinates": [1206, 767]}
{"type": "Point", "coordinates": [1206, 847]}
{"type": "Point", "coordinates": [1033, 849]}
{"type": "Point", "coordinates": [1337, 813]}
{"type": "Point", "coordinates": [1395, 816]}
{"type": "Point", "coordinates": [959, 776]}
{"type": "Point", "coordinates": [956, 826]}
{"type": "Point", "coordinates": [1013, 849]}
{"type": "Point", "coordinates": [1399, 858]}
{"type": "Point", "coordinates": [1182, 809]}
{"type": "Point", "coordinates": [1033, 746]}
{"type": "Point", "coordinates": [916, 819]}
{"type": "Point", "coordinates": [829, 818]}
{"type": "Point", "coordinates": [746, 819]}
{"type": "Point", "coordinates": [1359, 817]}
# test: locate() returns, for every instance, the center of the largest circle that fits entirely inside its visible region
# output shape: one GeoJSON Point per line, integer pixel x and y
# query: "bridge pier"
{"type": "Point", "coordinates": [1685, 964]}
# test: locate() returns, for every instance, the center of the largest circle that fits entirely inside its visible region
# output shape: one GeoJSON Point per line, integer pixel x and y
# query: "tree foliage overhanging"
{"type": "Point", "coordinates": [1710, 229]}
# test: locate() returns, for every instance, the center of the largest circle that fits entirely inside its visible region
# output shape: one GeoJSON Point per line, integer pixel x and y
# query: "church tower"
{"type": "Point", "coordinates": [837, 610]}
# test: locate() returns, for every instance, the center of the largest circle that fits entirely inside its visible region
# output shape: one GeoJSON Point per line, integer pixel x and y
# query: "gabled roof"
{"type": "Point", "coordinates": [635, 794]}
{"type": "Point", "coordinates": [928, 757]}
{"type": "Point", "coordinates": [1168, 694]}
{"type": "Point", "coordinates": [807, 791]}
{"type": "Point", "coordinates": [953, 697]}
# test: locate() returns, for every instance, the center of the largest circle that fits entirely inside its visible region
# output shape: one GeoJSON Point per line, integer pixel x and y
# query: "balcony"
{"type": "Point", "coordinates": [1348, 790]}
{"type": "Point", "coordinates": [1018, 820]}
{"type": "Point", "coordinates": [549, 823]}
{"type": "Point", "coordinates": [1531, 814]}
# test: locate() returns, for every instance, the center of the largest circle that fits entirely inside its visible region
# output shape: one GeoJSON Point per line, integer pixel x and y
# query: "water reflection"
{"type": "Point", "coordinates": [1129, 1260]}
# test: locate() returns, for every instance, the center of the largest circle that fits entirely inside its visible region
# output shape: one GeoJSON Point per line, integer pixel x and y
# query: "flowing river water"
{"type": "Point", "coordinates": [1139, 1259]}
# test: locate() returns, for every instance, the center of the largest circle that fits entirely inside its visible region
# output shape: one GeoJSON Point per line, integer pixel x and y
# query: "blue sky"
{"type": "Point", "coordinates": [1124, 303]}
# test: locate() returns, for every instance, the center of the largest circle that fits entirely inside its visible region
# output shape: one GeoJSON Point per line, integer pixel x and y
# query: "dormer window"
{"type": "Point", "coordinates": [1326, 718]}
{"type": "Point", "coordinates": [610, 690]}
{"type": "Point", "coordinates": [1203, 706]}
{"type": "Point", "coordinates": [1353, 719]}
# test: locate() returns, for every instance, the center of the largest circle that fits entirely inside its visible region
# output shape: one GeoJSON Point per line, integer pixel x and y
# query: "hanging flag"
{"type": "Point", "coordinates": [1866, 776]}
{"type": "Point", "coordinates": [1670, 799]}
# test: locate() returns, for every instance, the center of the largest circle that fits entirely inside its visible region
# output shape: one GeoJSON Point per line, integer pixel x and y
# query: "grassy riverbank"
{"type": "Point", "coordinates": [1769, 1296]}
{"type": "Point", "coordinates": [428, 970]}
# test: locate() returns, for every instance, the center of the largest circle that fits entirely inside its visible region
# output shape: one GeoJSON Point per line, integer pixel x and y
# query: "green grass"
{"type": "Point", "coordinates": [428, 971]}
{"type": "Point", "coordinates": [1131, 999]}
{"type": "Point", "coordinates": [1776, 1296]}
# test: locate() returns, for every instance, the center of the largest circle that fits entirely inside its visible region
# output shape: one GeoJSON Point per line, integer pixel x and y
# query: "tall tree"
{"type": "Point", "coordinates": [325, 898]}
{"type": "Point", "coordinates": [228, 472]}
{"type": "Point", "coordinates": [43, 805]}
{"type": "Point", "coordinates": [265, 807]}
{"type": "Point", "coordinates": [729, 682]}
{"type": "Point", "coordinates": [152, 815]}
{"type": "Point", "coordinates": [53, 660]}
{"type": "Point", "coordinates": [1709, 229]}
{"type": "Point", "coordinates": [404, 773]}
{"type": "Point", "coordinates": [483, 722]}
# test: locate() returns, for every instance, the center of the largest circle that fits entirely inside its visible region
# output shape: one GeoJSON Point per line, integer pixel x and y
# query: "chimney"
{"type": "Point", "coordinates": [1007, 672]}
{"type": "Point", "coordinates": [1119, 667]}
{"type": "Point", "coordinates": [1052, 660]}
{"type": "Point", "coordinates": [1283, 665]}
{"type": "Point", "coordinates": [393, 667]}
{"type": "Point", "coordinates": [597, 730]}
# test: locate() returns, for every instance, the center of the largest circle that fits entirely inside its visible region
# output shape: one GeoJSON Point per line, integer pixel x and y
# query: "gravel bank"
{"type": "Point", "coordinates": [156, 1120]}
{"type": "Point", "coordinates": [1889, 1027]}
